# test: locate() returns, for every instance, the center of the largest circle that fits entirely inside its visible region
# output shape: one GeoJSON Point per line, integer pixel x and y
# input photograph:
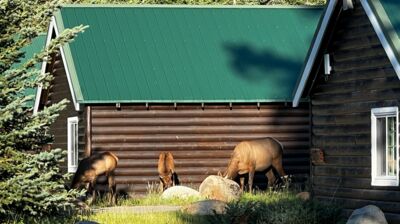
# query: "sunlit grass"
{"type": "Point", "coordinates": [150, 199]}
{"type": "Point", "coordinates": [147, 218]}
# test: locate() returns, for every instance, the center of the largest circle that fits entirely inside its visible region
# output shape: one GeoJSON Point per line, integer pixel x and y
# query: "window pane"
{"type": "Point", "coordinates": [381, 146]}
{"type": "Point", "coordinates": [391, 146]}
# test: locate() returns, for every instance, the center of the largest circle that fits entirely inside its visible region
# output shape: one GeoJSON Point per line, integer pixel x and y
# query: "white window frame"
{"type": "Point", "coordinates": [73, 144]}
{"type": "Point", "coordinates": [377, 180]}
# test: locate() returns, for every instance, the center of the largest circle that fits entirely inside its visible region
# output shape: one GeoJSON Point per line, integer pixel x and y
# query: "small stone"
{"type": "Point", "coordinates": [207, 207]}
{"type": "Point", "coordinates": [181, 192]}
{"type": "Point", "coordinates": [369, 214]}
{"type": "Point", "coordinates": [219, 188]}
{"type": "Point", "coordinates": [305, 196]}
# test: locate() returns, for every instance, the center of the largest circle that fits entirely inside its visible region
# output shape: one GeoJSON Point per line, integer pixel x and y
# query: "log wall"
{"type": "Point", "coordinates": [57, 91]}
{"type": "Point", "coordinates": [341, 104]}
{"type": "Point", "coordinates": [201, 139]}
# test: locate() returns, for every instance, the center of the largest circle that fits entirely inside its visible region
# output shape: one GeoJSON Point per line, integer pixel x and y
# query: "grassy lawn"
{"type": "Point", "coordinates": [264, 207]}
{"type": "Point", "coordinates": [150, 199]}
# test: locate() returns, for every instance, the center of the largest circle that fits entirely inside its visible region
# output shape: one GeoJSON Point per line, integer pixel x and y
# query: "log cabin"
{"type": "Point", "coordinates": [351, 81]}
{"type": "Point", "coordinates": [192, 80]}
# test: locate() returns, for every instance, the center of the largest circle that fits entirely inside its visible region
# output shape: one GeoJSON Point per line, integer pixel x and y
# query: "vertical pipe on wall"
{"type": "Point", "coordinates": [88, 130]}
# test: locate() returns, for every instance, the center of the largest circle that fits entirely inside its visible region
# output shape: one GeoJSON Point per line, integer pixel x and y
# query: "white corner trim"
{"type": "Point", "coordinates": [71, 89]}
{"type": "Point", "coordinates": [382, 38]}
{"type": "Point", "coordinates": [43, 69]}
{"type": "Point", "coordinates": [314, 51]}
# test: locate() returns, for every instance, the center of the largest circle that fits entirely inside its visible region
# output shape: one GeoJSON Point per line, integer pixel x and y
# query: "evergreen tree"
{"type": "Point", "coordinates": [30, 179]}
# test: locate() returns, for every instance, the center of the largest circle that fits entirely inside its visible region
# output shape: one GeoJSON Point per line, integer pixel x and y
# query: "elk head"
{"type": "Point", "coordinates": [167, 180]}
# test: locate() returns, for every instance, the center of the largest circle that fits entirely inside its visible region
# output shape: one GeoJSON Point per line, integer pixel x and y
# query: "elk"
{"type": "Point", "coordinates": [256, 155]}
{"type": "Point", "coordinates": [90, 168]}
{"type": "Point", "coordinates": [166, 171]}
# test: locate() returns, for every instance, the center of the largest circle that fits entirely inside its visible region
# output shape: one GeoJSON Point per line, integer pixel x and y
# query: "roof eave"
{"type": "Point", "coordinates": [313, 52]}
{"type": "Point", "coordinates": [375, 14]}
{"type": "Point", "coordinates": [68, 63]}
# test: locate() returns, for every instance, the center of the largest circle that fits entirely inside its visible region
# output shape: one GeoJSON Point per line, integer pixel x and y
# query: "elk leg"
{"type": "Point", "coordinates": [112, 189]}
{"type": "Point", "coordinates": [271, 178]}
{"type": "Point", "coordinates": [251, 178]}
{"type": "Point", "coordinates": [92, 188]}
{"type": "Point", "coordinates": [241, 178]}
{"type": "Point", "coordinates": [277, 164]}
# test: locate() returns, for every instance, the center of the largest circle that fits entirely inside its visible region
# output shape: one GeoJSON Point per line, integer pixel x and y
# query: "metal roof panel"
{"type": "Point", "coordinates": [189, 54]}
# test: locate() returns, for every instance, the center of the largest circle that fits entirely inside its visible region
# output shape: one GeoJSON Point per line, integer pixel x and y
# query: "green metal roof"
{"type": "Point", "coordinates": [37, 45]}
{"type": "Point", "coordinates": [187, 54]}
{"type": "Point", "coordinates": [388, 14]}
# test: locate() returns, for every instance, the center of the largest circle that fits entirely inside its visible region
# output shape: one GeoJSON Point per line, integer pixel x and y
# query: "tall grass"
{"type": "Point", "coordinates": [150, 199]}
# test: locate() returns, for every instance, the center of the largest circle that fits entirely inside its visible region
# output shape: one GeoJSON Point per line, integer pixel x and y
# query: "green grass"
{"type": "Point", "coordinates": [149, 218]}
{"type": "Point", "coordinates": [150, 199]}
{"type": "Point", "coordinates": [264, 207]}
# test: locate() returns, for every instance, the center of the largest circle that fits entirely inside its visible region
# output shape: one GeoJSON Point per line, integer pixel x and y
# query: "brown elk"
{"type": "Point", "coordinates": [166, 171]}
{"type": "Point", "coordinates": [90, 168]}
{"type": "Point", "coordinates": [256, 155]}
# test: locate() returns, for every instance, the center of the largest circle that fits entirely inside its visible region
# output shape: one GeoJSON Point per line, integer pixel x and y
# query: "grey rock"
{"type": "Point", "coordinates": [369, 214]}
{"type": "Point", "coordinates": [207, 207]}
{"type": "Point", "coordinates": [180, 192]}
{"type": "Point", "coordinates": [219, 188]}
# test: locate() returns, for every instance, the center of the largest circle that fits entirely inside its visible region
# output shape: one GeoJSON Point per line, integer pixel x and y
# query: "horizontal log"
{"type": "Point", "coordinates": [196, 154]}
{"type": "Point", "coordinates": [391, 207]}
{"type": "Point", "coordinates": [355, 107]}
{"type": "Point", "coordinates": [355, 150]}
{"type": "Point", "coordinates": [356, 43]}
{"type": "Point", "coordinates": [373, 95]}
{"type": "Point", "coordinates": [360, 119]}
{"type": "Point", "coordinates": [327, 90]}
{"type": "Point", "coordinates": [345, 182]}
{"type": "Point", "coordinates": [186, 146]}
{"type": "Point", "coordinates": [359, 161]}
{"type": "Point", "coordinates": [358, 172]}
{"type": "Point", "coordinates": [364, 74]}
{"type": "Point", "coordinates": [261, 128]}
{"type": "Point", "coordinates": [356, 32]}
{"type": "Point", "coordinates": [194, 138]}
{"type": "Point", "coordinates": [179, 163]}
{"type": "Point", "coordinates": [197, 162]}
{"type": "Point", "coordinates": [199, 121]}
{"type": "Point", "coordinates": [278, 112]}
{"type": "Point", "coordinates": [364, 194]}
{"type": "Point", "coordinates": [356, 20]}
{"type": "Point", "coordinates": [344, 140]}
{"type": "Point", "coordinates": [342, 130]}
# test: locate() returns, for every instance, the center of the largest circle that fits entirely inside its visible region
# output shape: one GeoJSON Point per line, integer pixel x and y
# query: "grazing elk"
{"type": "Point", "coordinates": [90, 168]}
{"type": "Point", "coordinates": [256, 155]}
{"type": "Point", "coordinates": [166, 171]}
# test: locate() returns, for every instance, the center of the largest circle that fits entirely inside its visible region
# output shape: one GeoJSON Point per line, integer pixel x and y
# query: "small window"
{"type": "Point", "coordinates": [73, 144]}
{"type": "Point", "coordinates": [385, 145]}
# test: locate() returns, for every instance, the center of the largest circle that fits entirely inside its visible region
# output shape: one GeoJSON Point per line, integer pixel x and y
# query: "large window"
{"type": "Point", "coordinates": [72, 144]}
{"type": "Point", "coordinates": [385, 146]}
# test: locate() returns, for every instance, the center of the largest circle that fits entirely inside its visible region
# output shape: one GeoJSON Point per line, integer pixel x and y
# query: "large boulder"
{"type": "Point", "coordinates": [180, 192]}
{"type": "Point", "coordinates": [369, 214]}
{"type": "Point", "coordinates": [207, 207]}
{"type": "Point", "coordinates": [219, 188]}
